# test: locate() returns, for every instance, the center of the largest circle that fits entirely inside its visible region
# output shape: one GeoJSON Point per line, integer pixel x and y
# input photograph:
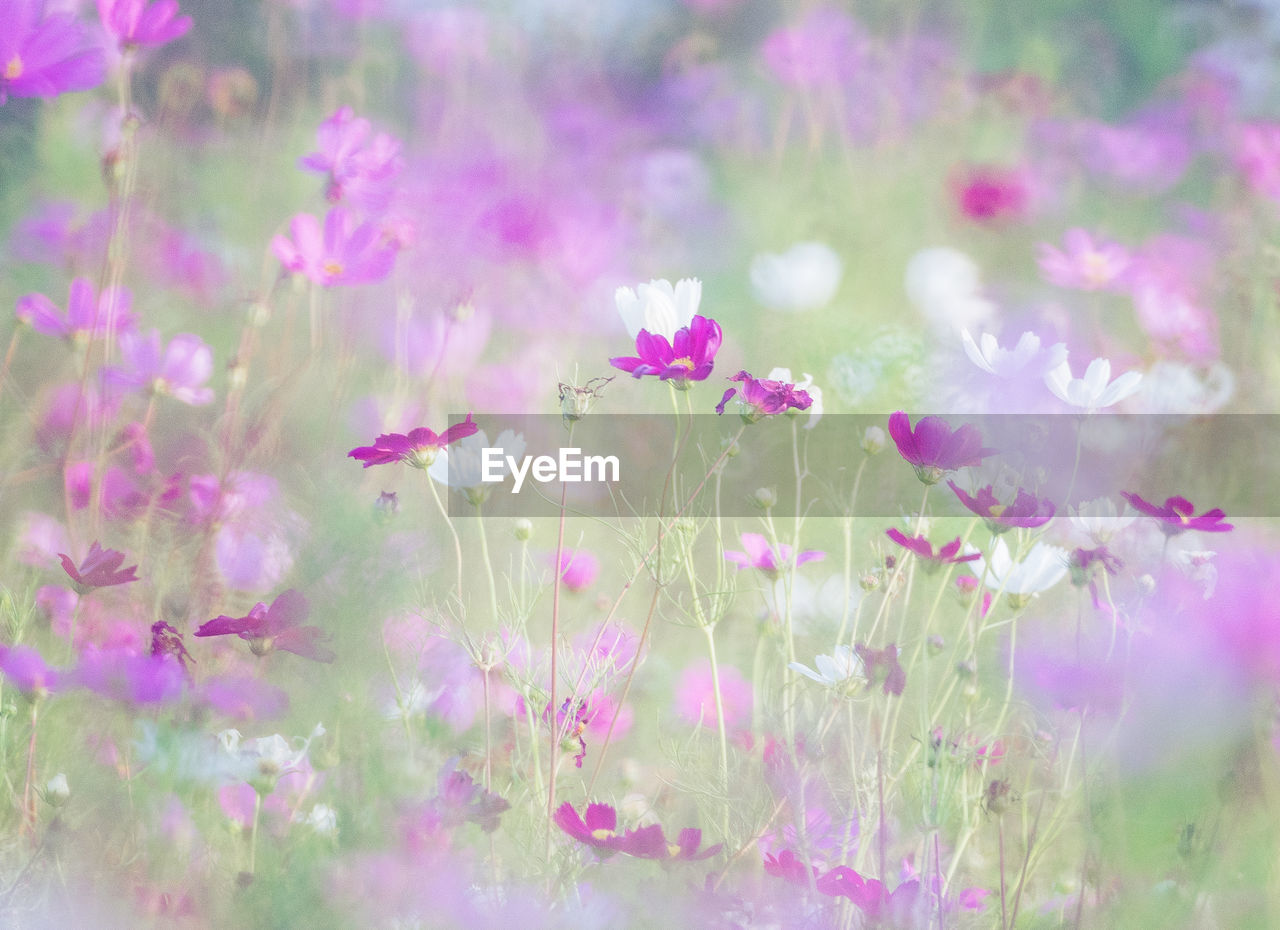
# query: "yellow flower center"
{"type": "Point", "coordinates": [602, 834]}
{"type": "Point", "coordinates": [684, 362]}
{"type": "Point", "coordinates": [1097, 270]}
{"type": "Point", "coordinates": [997, 509]}
{"type": "Point", "coordinates": [13, 70]}
{"type": "Point", "coordinates": [331, 269]}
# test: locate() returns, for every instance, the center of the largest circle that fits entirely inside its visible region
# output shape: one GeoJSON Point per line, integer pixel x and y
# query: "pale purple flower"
{"type": "Point", "coordinates": [135, 23]}
{"type": "Point", "coordinates": [178, 370]}
{"type": "Point", "coordinates": [43, 56]}
{"type": "Point", "coordinates": [125, 676]}
{"type": "Point", "coordinates": [823, 50]}
{"type": "Point", "coordinates": [1257, 155]}
{"type": "Point", "coordinates": [1085, 264]}
{"type": "Point", "coordinates": [340, 252]}
{"type": "Point", "coordinates": [360, 167]}
{"type": "Point", "coordinates": [760, 555]}
{"type": "Point", "coordinates": [25, 669]}
{"type": "Point", "coordinates": [86, 316]}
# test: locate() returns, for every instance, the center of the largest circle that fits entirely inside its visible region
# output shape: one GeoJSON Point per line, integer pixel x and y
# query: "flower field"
{"type": "Point", "coordinates": [683, 463]}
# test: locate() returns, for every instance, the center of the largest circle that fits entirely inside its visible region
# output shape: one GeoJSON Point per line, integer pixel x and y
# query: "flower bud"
{"type": "Point", "coordinates": [873, 440]}
{"type": "Point", "coordinates": [523, 529]}
{"type": "Point", "coordinates": [57, 791]}
{"type": "Point", "coordinates": [1147, 585]}
{"type": "Point", "coordinates": [869, 581]}
{"type": "Point", "coordinates": [935, 645]}
{"type": "Point", "coordinates": [765, 498]}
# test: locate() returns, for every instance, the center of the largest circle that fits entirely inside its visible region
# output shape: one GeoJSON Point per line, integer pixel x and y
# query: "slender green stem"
{"type": "Point", "coordinates": [457, 543]}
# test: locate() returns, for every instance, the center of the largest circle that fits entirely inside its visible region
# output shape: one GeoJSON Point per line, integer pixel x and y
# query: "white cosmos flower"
{"type": "Point", "coordinates": [461, 464]}
{"type": "Point", "coordinates": [658, 307]}
{"type": "Point", "coordinates": [1100, 519]}
{"type": "Point", "coordinates": [806, 385]}
{"type": "Point", "coordinates": [1096, 389]}
{"type": "Point", "coordinates": [945, 285]}
{"type": "Point", "coordinates": [804, 277]}
{"type": "Point", "coordinates": [1042, 568]}
{"type": "Point", "coordinates": [322, 818]}
{"type": "Point", "coordinates": [833, 671]}
{"type": "Point", "coordinates": [1005, 363]}
{"type": "Point", "coordinates": [1173, 387]}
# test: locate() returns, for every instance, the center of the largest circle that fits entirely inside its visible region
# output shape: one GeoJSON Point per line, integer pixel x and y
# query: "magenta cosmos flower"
{"type": "Point", "coordinates": [1177, 515]}
{"type": "Point", "coordinates": [947, 555]}
{"type": "Point", "coordinates": [43, 56]}
{"type": "Point", "coordinates": [763, 398]}
{"type": "Point", "coordinates": [761, 555]}
{"type": "Point", "coordinates": [1027, 511]}
{"type": "Point", "coordinates": [688, 357]}
{"type": "Point", "coordinates": [418, 449]}
{"type": "Point", "coordinates": [933, 448]}
{"type": "Point", "coordinates": [578, 569]}
{"type": "Point", "coordinates": [339, 253]}
{"type": "Point", "coordinates": [100, 568]}
{"type": "Point", "coordinates": [988, 194]}
{"type": "Point", "coordinates": [178, 369]}
{"type": "Point", "coordinates": [87, 316]}
{"type": "Point", "coordinates": [598, 829]}
{"type": "Point", "coordinates": [135, 23]}
{"type": "Point", "coordinates": [276, 627]}
{"type": "Point", "coordinates": [882, 667]}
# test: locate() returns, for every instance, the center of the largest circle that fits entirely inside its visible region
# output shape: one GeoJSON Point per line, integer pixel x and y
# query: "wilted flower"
{"type": "Point", "coordinates": [1096, 389]}
{"type": "Point", "coordinates": [933, 448]}
{"type": "Point", "coordinates": [688, 357]}
{"type": "Point", "coordinates": [1086, 264]}
{"type": "Point", "coordinates": [1006, 363]}
{"type": "Point", "coordinates": [659, 308]}
{"type": "Point", "coordinates": [100, 569]}
{"type": "Point", "coordinates": [881, 667]}
{"type": "Point", "coordinates": [804, 277]}
{"type": "Point", "coordinates": [276, 627]}
{"type": "Point", "coordinates": [834, 671]}
{"type": "Point", "coordinates": [759, 398]}
{"type": "Point", "coordinates": [1177, 515]}
{"type": "Point", "coordinates": [418, 449]}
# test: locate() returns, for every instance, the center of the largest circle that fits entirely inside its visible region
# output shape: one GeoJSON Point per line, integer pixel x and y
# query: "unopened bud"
{"type": "Point", "coordinates": [523, 529]}
{"type": "Point", "coordinates": [873, 440]}
{"type": "Point", "coordinates": [57, 791]}
{"type": "Point", "coordinates": [765, 498]}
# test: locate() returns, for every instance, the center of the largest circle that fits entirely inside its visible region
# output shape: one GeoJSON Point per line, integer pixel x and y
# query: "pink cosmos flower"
{"type": "Point", "coordinates": [178, 370]}
{"type": "Point", "coordinates": [1086, 264]}
{"type": "Point", "coordinates": [1177, 515]}
{"type": "Point", "coordinates": [933, 448]}
{"type": "Point", "coordinates": [43, 56]}
{"type": "Point", "coordinates": [276, 627]}
{"type": "Point", "coordinates": [761, 555]}
{"type": "Point", "coordinates": [1257, 155]}
{"type": "Point", "coordinates": [100, 568]}
{"type": "Point", "coordinates": [947, 555]}
{"type": "Point", "coordinates": [825, 49]}
{"type": "Point", "coordinates": [359, 168]}
{"type": "Point", "coordinates": [989, 194]}
{"type": "Point", "coordinates": [688, 357]}
{"type": "Point", "coordinates": [1027, 511]}
{"type": "Point", "coordinates": [762, 398]}
{"type": "Point", "coordinates": [25, 670]}
{"type": "Point", "coordinates": [85, 318]}
{"type": "Point", "coordinates": [696, 701]}
{"type": "Point", "coordinates": [598, 829]}
{"type": "Point", "coordinates": [870, 894]}
{"type": "Point", "coordinates": [135, 23]}
{"type": "Point", "coordinates": [340, 253]}
{"type": "Point", "coordinates": [418, 449]}
{"type": "Point", "coordinates": [578, 569]}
